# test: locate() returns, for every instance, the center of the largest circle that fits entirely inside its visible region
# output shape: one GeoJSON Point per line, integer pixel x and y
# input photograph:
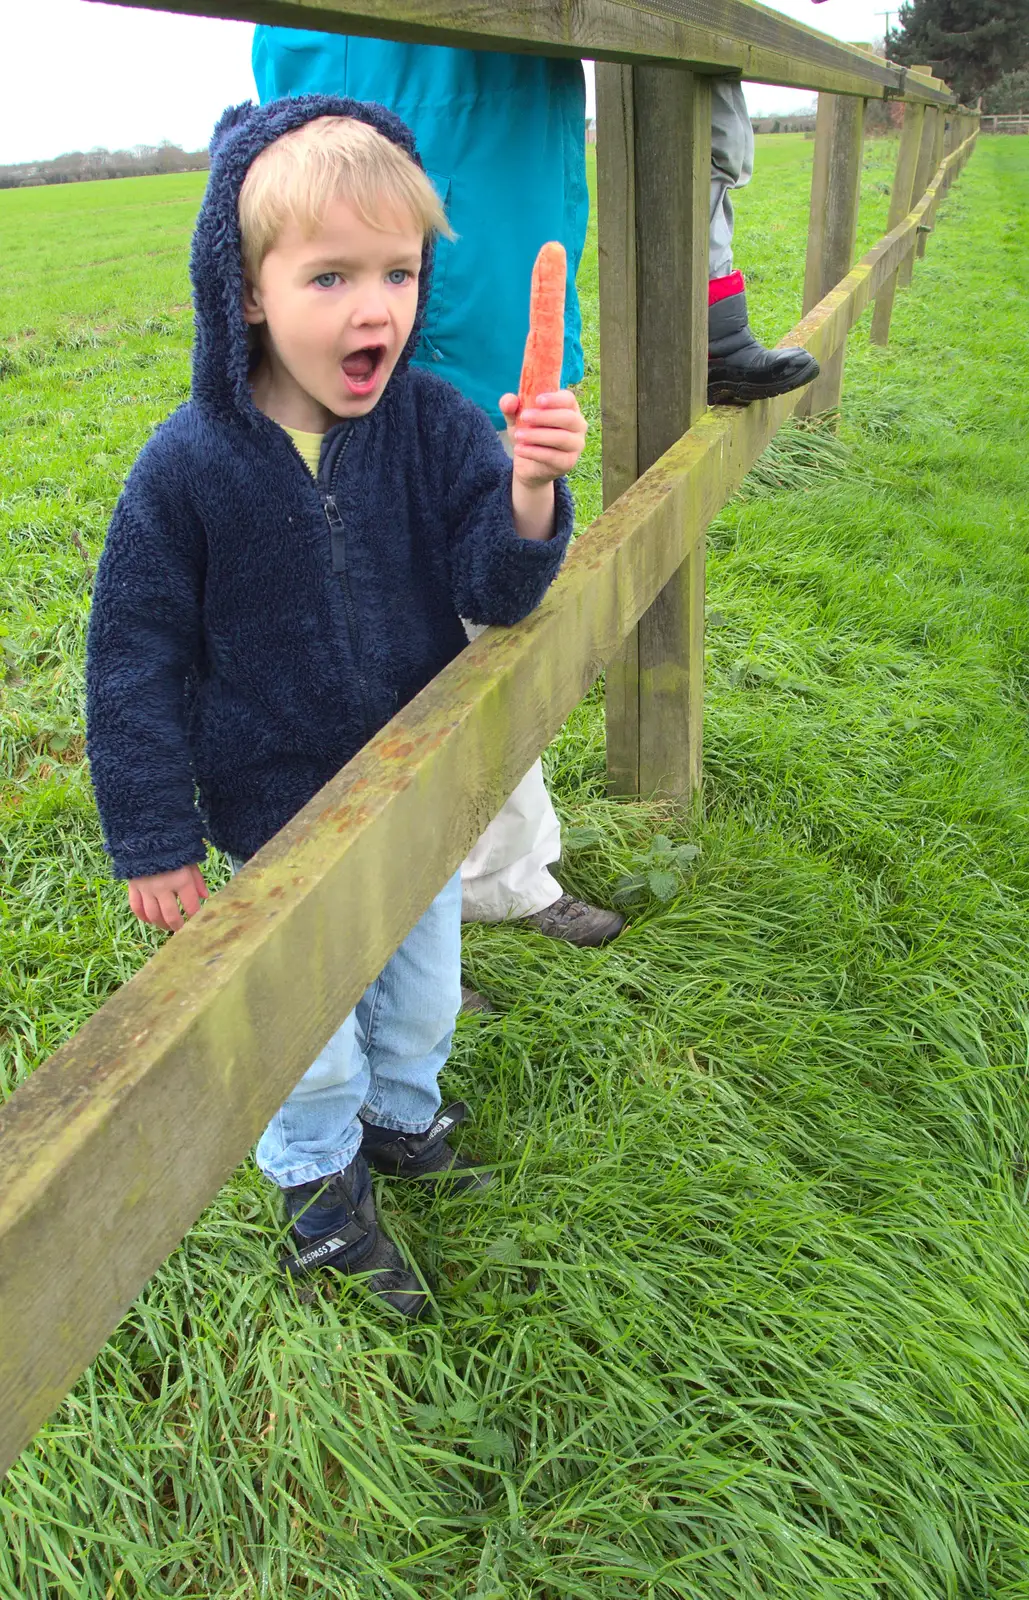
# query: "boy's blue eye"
{"type": "Point", "coordinates": [325, 280]}
{"type": "Point", "coordinates": [399, 275]}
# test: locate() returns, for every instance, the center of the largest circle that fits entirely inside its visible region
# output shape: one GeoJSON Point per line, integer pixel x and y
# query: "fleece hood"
{"type": "Point", "coordinates": [221, 347]}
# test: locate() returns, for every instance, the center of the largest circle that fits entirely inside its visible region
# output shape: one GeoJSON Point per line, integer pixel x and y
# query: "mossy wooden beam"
{"type": "Point", "coordinates": [111, 1150]}
{"type": "Point", "coordinates": [735, 37]}
{"type": "Point", "coordinates": [656, 178]}
{"type": "Point", "coordinates": [672, 320]}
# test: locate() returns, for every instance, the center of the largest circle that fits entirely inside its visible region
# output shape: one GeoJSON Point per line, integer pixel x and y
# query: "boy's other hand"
{"type": "Point", "coordinates": [548, 437]}
{"type": "Point", "coordinates": [157, 898]}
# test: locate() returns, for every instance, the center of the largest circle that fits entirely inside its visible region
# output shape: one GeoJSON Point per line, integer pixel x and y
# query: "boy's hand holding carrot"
{"type": "Point", "coordinates": [546, 426]}
{"type": "Point", "coordinates": [548, 436]}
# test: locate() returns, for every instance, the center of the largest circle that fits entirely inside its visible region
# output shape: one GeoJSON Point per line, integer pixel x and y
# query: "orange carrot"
{"type": "Point", "coordinates": [544, 348]}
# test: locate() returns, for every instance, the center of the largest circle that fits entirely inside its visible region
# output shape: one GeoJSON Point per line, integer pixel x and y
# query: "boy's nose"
{"type": "Point", "coordinates": [371, 311]}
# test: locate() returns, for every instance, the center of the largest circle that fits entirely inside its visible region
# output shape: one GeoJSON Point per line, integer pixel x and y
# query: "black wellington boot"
{"type": "Point", "coordinates": [739, 369]}
{"type": "Point", "coordinates": [334, 1225]}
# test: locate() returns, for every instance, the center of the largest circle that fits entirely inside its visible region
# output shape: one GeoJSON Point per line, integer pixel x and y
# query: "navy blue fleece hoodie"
{"type": "Point", "coordinates": [253, 628]}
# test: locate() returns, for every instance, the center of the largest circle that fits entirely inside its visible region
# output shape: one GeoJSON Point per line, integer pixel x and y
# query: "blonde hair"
{"type": "Point", "coordinates": [332, 158]}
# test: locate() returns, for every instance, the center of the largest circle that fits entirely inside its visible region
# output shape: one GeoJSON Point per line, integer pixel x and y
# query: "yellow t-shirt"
{"type": "Point", "coordinates": [310, 447]}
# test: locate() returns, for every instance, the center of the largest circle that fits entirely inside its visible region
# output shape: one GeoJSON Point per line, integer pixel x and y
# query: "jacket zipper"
{"type": "Point", "coordinates": [339, 566]}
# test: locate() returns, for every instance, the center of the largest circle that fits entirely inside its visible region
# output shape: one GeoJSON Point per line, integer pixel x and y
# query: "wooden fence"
{"type": "Point", "coordinates": [113, 1147]}
{"type": "Point", "coordinates": [1012, 122]}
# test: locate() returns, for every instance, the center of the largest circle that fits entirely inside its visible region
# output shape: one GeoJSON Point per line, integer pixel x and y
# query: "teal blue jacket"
{"type": "Point", "coordinates": [503, 139]}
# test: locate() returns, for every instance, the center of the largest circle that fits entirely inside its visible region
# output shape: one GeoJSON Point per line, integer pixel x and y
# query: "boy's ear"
{"type": "Point", "coordinates": [253, 311]}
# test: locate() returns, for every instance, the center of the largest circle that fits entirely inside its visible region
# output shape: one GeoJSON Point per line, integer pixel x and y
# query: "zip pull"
{"type": "Point", "coordinates": [335, 521]}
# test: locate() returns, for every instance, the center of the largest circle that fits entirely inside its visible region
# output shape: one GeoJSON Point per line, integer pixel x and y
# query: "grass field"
{"type": "Point", "coordinates": [747, 1316]}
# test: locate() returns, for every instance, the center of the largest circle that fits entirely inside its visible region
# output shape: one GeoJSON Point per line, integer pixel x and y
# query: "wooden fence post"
{"type": "Point", "coordinates": [950, 144]}
{"type": "Point", "coordinates": [938, 143]}
{"type": "Point", "coordinates": [922, 176]}
{"type": "Point", "coordinates": [900, 205]}
{"type": "Point", "coordinates": [936, 156]}
{"type": "Point", "coordinates": [934, 165]}
{"type": "Point", "coordinates": [616, 242]}
{"type": "Point", "coordinates": [653, 193]}
{"type": "Point", "coordinates": [832, 228]}
{"type": "Point", "coordinates": [616, 248]}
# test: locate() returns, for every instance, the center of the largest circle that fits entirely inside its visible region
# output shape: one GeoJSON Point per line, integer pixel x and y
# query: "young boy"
{"type": "Point", "coordinates": [287, 566]}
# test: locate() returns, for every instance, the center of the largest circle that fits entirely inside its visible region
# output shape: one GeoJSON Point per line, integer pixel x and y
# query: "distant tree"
{"type": "Point", "coordinates": [96, 162]}
{"type": "Point", "coordinates": [169, 157]}
{"type": "Point", "coordinates": [970, 43]}
{"type": "Point", "coordinates": [66, 168]}
{"type": "Point", "coordinates": [78, 165]}
{"type": "Point", "coordinates": [1010, 93]}
{"type": "Point", "coordinates": [144, 159]}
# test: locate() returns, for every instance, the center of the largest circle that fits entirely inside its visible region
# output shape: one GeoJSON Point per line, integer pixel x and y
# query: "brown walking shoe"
{"type": "Point", "coordinates": [576, 922]}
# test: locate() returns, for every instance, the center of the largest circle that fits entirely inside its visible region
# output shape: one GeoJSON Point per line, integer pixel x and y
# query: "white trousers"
{"type": "Point", "coordinates": [505, 874]}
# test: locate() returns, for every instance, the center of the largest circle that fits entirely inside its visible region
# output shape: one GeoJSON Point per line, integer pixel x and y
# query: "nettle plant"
{"type": "Point", "coordinates": [661, 872]}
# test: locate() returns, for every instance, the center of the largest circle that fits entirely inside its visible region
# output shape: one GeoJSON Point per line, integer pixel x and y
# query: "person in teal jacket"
{"type": "Point", "coordinates": [503, 139]}
{"type": "Point", "coordinates": [492, 129]}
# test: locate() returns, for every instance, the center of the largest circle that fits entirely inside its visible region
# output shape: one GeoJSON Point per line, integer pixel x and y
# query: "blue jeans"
{"type": "Point", "coordinates": [383, 1062]}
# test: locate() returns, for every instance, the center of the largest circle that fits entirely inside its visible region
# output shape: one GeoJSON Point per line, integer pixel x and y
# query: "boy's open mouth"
{"type": "Point", "coordinates": [361, 368]}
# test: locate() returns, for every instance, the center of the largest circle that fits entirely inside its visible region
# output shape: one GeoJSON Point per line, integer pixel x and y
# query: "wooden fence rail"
{"type": "Point", "coordinates": [114, 1146]}
{"type": "Point", "coordinates": [736, 38]}
{"type": "Point", "coordinates": [1009, 122]}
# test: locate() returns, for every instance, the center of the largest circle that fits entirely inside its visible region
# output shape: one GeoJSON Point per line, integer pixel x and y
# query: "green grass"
{"type": "Point", "coordinates": [746, 1316]}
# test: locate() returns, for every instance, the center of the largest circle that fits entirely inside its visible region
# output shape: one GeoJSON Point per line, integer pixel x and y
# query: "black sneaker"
{"type": "Point", "coordinates": [426, 1156]}
{"type": "Point", "coordinates": [334, 1225]}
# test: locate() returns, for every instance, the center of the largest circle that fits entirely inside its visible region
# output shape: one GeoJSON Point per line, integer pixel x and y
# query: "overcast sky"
{"type": "Point", "coordinates": [75, 74]}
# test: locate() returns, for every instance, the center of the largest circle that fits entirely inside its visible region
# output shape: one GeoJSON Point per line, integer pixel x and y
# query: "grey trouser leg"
{"type": "Point", "coordinates": [732, 163]}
